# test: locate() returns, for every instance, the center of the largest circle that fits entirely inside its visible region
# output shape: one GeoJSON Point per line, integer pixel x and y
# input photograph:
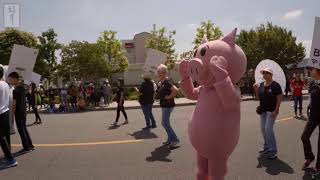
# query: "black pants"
{"type": "Point", "coordinates": [23, 132]}
{"type": "Point", "coordinates": [121, 108]}
{"type": "Point", "coordinates": [5, 135]}
{"type": "Point", "coordinates": [35, 111]}
{"type": "Point", "coordinates": [307, 132]}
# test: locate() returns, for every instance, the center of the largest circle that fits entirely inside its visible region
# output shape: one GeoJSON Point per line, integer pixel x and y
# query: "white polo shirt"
{"type": "Point", "coordinates": [4, 97]}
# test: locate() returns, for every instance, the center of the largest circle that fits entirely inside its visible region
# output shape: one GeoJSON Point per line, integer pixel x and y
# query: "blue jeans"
{"type": "Point", "coordinates": [166, 112]}
{"type": "Point", "coordinates": [267, 123]}
{"type": "Point", "coordinates": [147, 111]}
{"type": "Point", "coordinates": [297, 99]}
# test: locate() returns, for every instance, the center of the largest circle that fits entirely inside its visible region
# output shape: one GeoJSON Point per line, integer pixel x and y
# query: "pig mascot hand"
{"type": "Point", "coordinates": [214, 128]}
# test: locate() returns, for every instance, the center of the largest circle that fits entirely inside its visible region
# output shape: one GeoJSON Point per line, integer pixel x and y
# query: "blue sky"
{"type": "Point", "coordinates": [85, 19]}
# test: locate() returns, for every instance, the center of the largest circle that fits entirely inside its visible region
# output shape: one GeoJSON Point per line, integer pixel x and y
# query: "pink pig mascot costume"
{"type": "Point", "coordinates": [215, 126]}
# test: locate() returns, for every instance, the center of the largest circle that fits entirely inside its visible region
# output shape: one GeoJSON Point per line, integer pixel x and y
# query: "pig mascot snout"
{"type": "Point", "coordinates": [215, 125]}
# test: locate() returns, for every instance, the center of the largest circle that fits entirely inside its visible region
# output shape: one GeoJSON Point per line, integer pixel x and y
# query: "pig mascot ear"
{"type": "Point", "coordinates": [231, 38]}
{"type": "Point", "coordinates": [204, 39]}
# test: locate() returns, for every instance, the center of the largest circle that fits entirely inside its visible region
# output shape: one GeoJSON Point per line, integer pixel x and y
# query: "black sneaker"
{"type": "Point", "coordinates": [126, 122]}
{"type": "Point", "coordinates": [174, 144]}
{"type": "Point", "coordinates": [146, 128]}
{"type": "Point", "coordinates": [166, 143]}
{"type": "Point", "coordinates": [272, 156]}
{"type": "Point", "coordinates": [10, 164]}
{"type": "Point", "coordinates": [154, 126]}
{"type": "Point", "coordinates": [263, 151]}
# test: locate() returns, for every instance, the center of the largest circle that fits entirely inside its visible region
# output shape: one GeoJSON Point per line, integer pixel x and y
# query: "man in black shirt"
{"type": "Point", "coordinates": [19, 109]}
{"type": "Point", "coordinates": [269, 93]}
{"type": "Point", "coordinates": [313, 120]}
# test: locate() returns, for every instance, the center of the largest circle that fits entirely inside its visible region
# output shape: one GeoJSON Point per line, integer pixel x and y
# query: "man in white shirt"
{"type": "Point", "coordinates": [4, 122]}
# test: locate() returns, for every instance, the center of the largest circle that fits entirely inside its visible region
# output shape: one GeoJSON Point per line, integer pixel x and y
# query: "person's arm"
{"type": "Point", "coordinates": [256, 89]}
{"type": "Point", "coordinates": [121, 99]}
{"type": "Point", "coordinates": [13, 107]}
{"type": "Point", "coordinates": [279, 99]}
{"type": "Point", "coordinates": [14, 102]}
{"type": "Point", "coordinates": [174, 92]}
{"type": "Point", "coordinates": [276, 111]}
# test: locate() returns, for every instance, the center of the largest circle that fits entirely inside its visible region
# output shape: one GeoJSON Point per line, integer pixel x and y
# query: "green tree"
{"type": "Point", "coordinates": [9, 37]}
{"type": "Point", "coordinates": [82, 60]}
{"type": "Point", "coordinates": [47, 61]}
{"type": "Point", "coordinates": [270, 42]}
{"type": "Point", "coordinates": [208, 29]}
{"type": "Point", "coordinates": [113, 53]}
{"type": "Point", "coordinates": [163, 41]}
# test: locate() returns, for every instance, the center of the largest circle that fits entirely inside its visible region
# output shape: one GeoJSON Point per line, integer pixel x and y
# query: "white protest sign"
{"type": "Point", "coordinates": [22, 61]}
{"type": "Point", "coordinates": [35, 78]}
{"type": "Point", "coordinates": [153, 60]}
{"type": "Point", "coordinates": [314, 60]}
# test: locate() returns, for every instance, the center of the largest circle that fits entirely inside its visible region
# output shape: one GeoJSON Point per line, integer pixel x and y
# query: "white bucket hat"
{"type": "Point", "coordinates": [269, 70]}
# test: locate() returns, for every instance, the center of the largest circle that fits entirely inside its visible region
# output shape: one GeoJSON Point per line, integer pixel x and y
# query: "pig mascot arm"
{"type": "Point", "coordinates": [186, 83]}
{"type": "Point", "coordinates": [229, 94]}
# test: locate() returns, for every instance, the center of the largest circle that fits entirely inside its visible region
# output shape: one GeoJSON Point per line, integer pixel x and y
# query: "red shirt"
{"type": "Point", "coordinates": [296, 87]}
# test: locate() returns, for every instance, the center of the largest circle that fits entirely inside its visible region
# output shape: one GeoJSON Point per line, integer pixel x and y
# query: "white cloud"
{"type": "Point", "coordinates": [294, 14]}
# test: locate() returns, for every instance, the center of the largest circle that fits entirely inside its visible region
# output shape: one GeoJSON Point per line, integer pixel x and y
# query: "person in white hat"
{"type": "Point", "coordinates": [313, 120]}
{"type": "Point", "coordinates": [270, 95]}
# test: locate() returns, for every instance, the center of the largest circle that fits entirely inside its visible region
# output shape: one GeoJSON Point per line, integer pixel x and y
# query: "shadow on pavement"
{"type": "Point", "coordinates": [308, 174]}
{"type": "Point", "coordinates": [160, 154]}
{"type": "Point", "coordinates": [143, 134]}
{"type": "Point", "coordinates": [33, 124]}
{"type": "Point", "coordinates": [275, 166]}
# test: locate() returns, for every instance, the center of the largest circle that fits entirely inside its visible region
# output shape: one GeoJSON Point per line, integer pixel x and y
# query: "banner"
{"type": "Point", "coordinates": [153, 60]}
{"type": "Point", "coordinates": [22, 61]}
{"type": "Point", "coordinates": [314, 60]}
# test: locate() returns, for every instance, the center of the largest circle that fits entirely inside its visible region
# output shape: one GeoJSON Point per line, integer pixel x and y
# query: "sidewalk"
{"type": "Point", "coordinates": [136, 105]}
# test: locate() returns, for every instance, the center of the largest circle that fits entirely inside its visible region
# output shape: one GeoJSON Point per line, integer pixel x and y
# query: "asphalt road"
{"type": "Point", "coordinates": [83, 147]}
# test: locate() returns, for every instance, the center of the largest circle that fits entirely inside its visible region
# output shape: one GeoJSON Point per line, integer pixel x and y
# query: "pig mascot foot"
{"type": "Point", "coordinates": [214, 128]}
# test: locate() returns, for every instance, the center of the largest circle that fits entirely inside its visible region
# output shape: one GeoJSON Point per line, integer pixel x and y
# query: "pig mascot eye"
{"type": "Point", "coordinates": [203, 51]}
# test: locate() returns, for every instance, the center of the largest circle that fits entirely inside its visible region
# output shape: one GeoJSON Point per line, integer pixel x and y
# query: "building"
{"type": "Point", "coordinates": [136, 52]}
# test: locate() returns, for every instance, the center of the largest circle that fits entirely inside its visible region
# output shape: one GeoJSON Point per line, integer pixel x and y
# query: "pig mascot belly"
{"type": "Point", "coordinates": [214, 128]}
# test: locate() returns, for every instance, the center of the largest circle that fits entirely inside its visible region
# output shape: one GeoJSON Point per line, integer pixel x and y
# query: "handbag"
{"type": "Point", "coordinates": [259, 110]}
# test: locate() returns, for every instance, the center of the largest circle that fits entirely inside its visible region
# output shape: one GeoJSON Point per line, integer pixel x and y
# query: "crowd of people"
{"type": "Point", "coordinates": [71, 98]}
